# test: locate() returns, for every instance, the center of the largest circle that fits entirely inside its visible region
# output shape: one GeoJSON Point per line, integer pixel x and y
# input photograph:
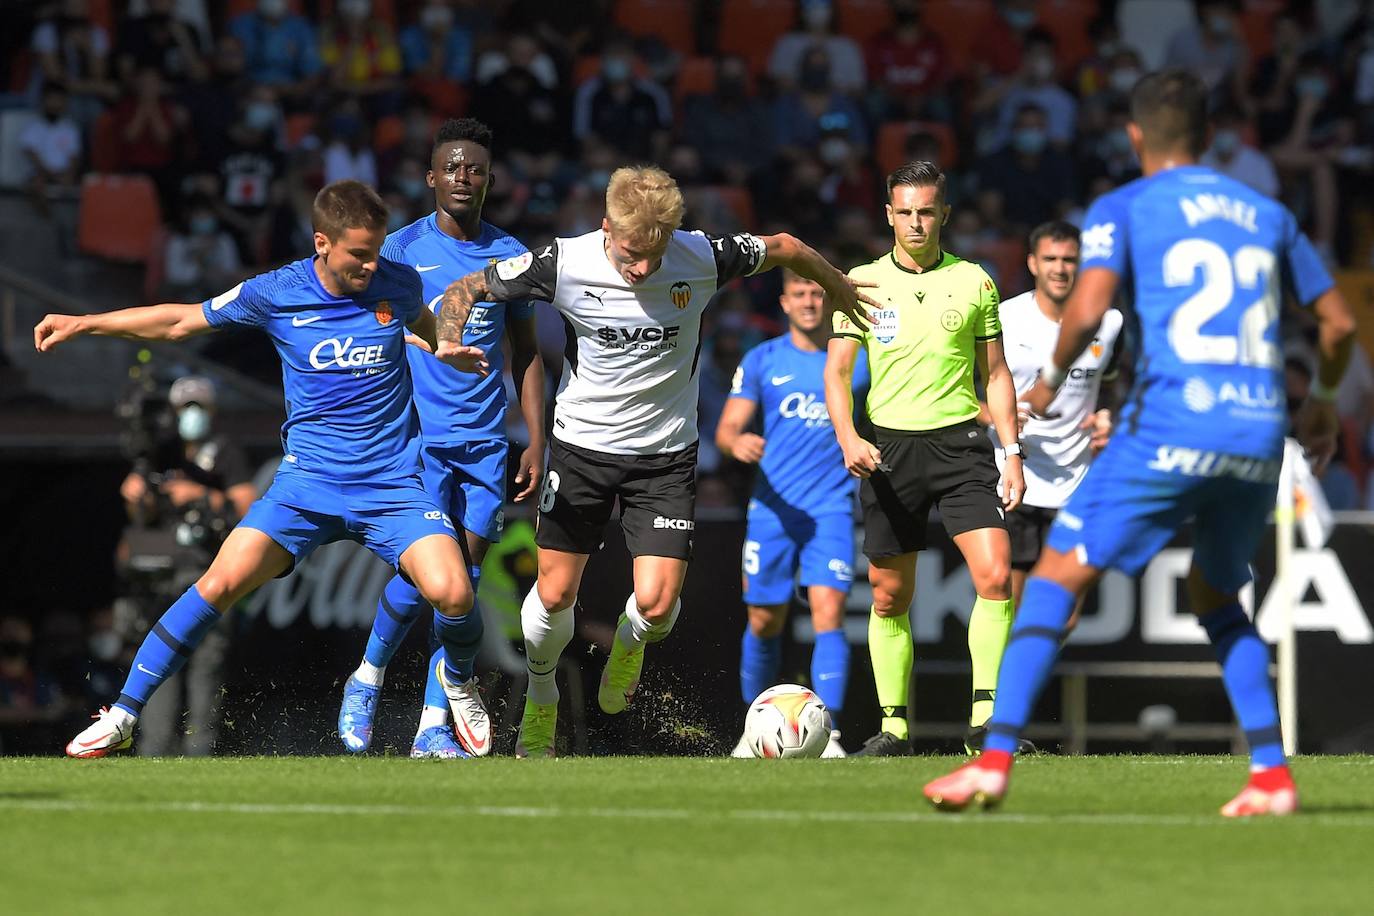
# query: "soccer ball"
{"type": "Point", "coordinates": [787, 721]}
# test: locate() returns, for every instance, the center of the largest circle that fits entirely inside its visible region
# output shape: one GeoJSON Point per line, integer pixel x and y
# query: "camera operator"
{"type": "Point", "coordinates": [182, 501]}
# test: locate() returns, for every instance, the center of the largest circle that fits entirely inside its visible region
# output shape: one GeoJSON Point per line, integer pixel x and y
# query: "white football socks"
{"type": "Point", "coordinates": [636, 629]}
{"type": "Point", "coordinates": [431, 716]}
{"type": "Point", "coordinates": [370, 674]}
{"type": "Point", "coordinates": [547, 634]}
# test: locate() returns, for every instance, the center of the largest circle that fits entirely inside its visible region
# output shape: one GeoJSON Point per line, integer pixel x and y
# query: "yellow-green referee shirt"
{"type": "Point", "coordinates": [920, 344]}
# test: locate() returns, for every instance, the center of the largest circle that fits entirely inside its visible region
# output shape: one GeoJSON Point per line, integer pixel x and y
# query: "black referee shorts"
{"type": "Point", "coordinates": [952, 467]}
{"type": "Point", "coordinates": [657, 496]}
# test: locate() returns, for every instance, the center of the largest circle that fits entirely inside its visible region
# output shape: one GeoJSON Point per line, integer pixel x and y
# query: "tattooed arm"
{"type": "Point", "coordinates": [457, 304]}
{"type": "Point", "coordinates": [532, 275]}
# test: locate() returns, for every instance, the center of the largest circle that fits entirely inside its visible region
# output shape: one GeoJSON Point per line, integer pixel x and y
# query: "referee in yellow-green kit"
{"type": "Point", "coordinates": [939, 319]}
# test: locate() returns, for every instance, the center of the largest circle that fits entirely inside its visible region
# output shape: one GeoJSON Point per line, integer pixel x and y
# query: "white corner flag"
{"type": "Point", "coordinates": [1310, 509]}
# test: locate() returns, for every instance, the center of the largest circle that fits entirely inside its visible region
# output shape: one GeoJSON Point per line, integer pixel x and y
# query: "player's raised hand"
{"type": "Point", "coordinates": [1038, 400]}
{"type": "Point", "coordinates": [748, 448]}
{"type": "Point", "coordinates": [53, 330]}
{"type": "Point", "coordinates": [861, 457]}
{"type": "Point", "coordinates": [464, 359]}
{"type": "Point", "coordinates": [1013, 488]}
{"type": "Point", "coordinates": [1099, 424]}
{"type": "Point", "coordinates": [845, 298]}
{"type": "Point", "coordinates": [531, 470]}
{"type": "Point", "coordinates": [1317, 426]}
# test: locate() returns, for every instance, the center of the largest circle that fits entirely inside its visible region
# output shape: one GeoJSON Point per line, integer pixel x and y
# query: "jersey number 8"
{"type": "Point", "coordinates": [1251, 269]}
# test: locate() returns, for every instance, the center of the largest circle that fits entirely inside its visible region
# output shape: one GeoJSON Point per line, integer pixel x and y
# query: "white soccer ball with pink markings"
{"type": "Point", "coordinates": [787, 721]}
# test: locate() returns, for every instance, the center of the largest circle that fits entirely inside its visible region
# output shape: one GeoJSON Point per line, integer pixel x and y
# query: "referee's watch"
{"type": "Point", "coordinates": [1013, 450]}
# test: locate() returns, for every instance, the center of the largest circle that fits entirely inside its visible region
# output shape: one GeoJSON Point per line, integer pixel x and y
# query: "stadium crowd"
{"type": "Point", "coordinates": [775, 115]}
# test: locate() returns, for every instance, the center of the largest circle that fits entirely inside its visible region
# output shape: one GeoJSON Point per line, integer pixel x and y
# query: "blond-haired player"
{"type": "Point", "coordinates": [631, 295]}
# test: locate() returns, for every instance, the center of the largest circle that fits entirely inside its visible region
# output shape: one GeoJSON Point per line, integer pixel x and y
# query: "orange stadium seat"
{"type": "Point", "coordinates": [957, 22]}
{"type": "Point", "coordinates": [750, 28]}
{"type": "Point", "coordinates": [119, 217]}
{"type": "Point", "coordinates": [1068, 21]}
{"type": "Point", "coordinates": [672, 22]}
{"type": "Point", "coordinates": [862, 20]}
{"type": "Point", "coordinates": [892, 137]}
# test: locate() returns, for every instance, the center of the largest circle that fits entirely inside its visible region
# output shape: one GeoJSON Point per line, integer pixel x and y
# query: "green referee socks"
{"type": "Point", "coordinates": [889, 647]}
{"type": "Point", "coordinates": [989, 626]}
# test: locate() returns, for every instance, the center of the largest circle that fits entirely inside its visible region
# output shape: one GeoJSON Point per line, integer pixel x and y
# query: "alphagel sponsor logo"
{"type": "Point", "coordinates": [808, 407]}
{"type": "Point", "coordinates": [344, 355]}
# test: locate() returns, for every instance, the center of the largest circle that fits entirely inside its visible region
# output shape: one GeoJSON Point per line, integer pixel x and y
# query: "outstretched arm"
{"type": "Point", "coordinates": [169, 321]}
{"type": "Point", "coordinates": [785, 250]}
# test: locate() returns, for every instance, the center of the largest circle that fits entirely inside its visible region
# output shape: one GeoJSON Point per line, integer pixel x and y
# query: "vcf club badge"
{"type": "Point", "coordinates": [383, 312]}
{"type": "Point", "coordinates": [680, 293]}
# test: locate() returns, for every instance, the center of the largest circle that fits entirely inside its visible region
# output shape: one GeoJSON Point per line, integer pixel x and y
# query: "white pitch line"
{"type": "Point", "coordinates": [678, 814]}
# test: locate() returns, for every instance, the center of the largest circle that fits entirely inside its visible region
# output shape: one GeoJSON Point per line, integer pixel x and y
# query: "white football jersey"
{"type": "Point", "coordinates": [1056, 451]}
{"type": "Point", "coordinates": [629, 384]}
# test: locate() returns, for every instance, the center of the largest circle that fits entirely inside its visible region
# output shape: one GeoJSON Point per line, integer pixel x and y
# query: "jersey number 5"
{"type": "Point", "coordinates": [1252, 268]}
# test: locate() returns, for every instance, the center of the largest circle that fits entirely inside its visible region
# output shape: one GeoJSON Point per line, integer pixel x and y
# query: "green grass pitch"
{"type": "Point", "coordinates": [657, 836]}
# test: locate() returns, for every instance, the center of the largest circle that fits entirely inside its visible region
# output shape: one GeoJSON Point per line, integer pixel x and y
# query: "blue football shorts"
{"type": "Point", "coordinates": [1131, 504]}
{"type": "Point", "coordinates": [781, 548]}
{"type": "Point", "coordinates": [301, 511]}
{"type": "Point", "coordinates": [468, 482]}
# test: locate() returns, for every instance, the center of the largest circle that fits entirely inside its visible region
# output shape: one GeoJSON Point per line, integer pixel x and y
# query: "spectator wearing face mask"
{"type": "Point", "coordinates": [1213, 49]}
{"type": "Point", "coordinates": [280, 48]}
{"type": "Point", "coordinates": [729, 127]}
{"type": "Point", "coordinates": [1233, 157]}
{"type": "Point", "coordinates": [815, 108]}
{"type": "Point", "coordinates": [250, 170]}
{"type": "Point", "coordinates": [1036, 85]}
{"type": "Point", "coordinates": [845, 60]}
{"type": "Point", "coordinates": [1034, 181]}
{"type": "Point", "coordinates": [631, 114]}
{"type": "Point", "coordinates": [200, 257]}
{"type": "Point", "coordinates": [182, 508]}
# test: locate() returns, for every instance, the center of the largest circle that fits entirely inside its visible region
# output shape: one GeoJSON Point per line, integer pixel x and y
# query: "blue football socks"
{"type": "Point", "coordinates": [1244, 660]}
{"type": "Point", "coordinates": [398, 608]}
{"type": "Point", "coordinates": [1031, 651]}
{"type": "Point", "coordinates": [460, 637]}
{"type": "Point", "coordinates": [758, 663]}
{"type": "Point", "coordinates": [830, 669]}
{"type": "Point", "coordinates": [166, 648]}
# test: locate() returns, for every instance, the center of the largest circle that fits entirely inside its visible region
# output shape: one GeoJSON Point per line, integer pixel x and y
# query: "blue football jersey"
{"type": "Point", "coordinates": [456, 407]}
{"type": "Point", "coordinates": [802, 464]}
{"type": "Point", "coordinates": [349, 413]}
{"type": "Point", "coordinates": [1203, 262]}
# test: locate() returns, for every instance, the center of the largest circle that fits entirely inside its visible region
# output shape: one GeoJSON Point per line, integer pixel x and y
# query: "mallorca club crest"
{"type": "Point", "coordinates": [680, 293]}
{"type": "Point", "coordinates": [383, 312]}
